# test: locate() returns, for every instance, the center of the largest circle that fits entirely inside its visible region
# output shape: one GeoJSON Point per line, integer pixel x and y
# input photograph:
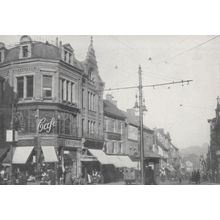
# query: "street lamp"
{"type": "Point", "coordinates": [141, 108]}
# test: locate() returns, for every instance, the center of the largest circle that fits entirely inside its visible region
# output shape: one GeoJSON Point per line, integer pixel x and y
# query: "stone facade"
{"type": "Point", "coordinates": [54, 88]}
{"type": "Point", "coordinates": [214, 150]}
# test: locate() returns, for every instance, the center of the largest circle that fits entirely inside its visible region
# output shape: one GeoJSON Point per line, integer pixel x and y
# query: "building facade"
{"type": "Point", "coordinates": [114, 127]}
{"type": "Point", "coordinates": [59, 102]}
{"type": "Point", "coordinates": [214, 149]}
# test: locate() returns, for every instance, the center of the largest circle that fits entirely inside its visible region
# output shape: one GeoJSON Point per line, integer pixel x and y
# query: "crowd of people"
{"type": "Point", "coordinates": [196, 177]}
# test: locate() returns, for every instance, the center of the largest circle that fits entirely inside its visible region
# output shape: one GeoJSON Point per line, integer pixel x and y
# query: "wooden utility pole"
{"type": "Point", "coordinates": [140, 88]}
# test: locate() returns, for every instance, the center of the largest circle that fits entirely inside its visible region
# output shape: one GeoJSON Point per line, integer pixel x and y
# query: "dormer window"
{"type": "Point", "coordinates": [25, 47]}
{"type": "Point", "coordinates": [24, 51]}
{"type": "Point", "coordinates": [68, 57]}
{"type": "Point", "coordinates": [0, 57]}
{"type": "Point", "coordinates": [67, 54]}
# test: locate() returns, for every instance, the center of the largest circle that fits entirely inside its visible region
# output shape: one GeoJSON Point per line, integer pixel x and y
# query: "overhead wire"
{"type": "Point", "coordinates": [155, 75]}
{"type": "Point", "coordinates": [175, 55]}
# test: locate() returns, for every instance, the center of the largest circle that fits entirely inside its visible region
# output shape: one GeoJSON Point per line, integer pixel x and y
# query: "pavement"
{"type": "Point", "coordinates": [167, 182]}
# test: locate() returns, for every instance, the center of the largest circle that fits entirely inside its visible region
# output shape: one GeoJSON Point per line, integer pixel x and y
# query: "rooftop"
{"type": "Point", "coordinates": [112, 110]}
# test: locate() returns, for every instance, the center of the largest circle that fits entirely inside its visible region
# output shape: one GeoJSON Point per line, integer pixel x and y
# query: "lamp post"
{"type": "Point", "coordinates": [141, 108]}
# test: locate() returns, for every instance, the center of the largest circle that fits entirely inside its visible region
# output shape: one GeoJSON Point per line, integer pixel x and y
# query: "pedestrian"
{"type": "Point", "coordinates": [59, 174]}
{"type": "Point", "coordinates": [198, 176]}
{"type": "Point", "coordinates": [68, 177]}
{"type": "Point", "coordinates": [180, 179]}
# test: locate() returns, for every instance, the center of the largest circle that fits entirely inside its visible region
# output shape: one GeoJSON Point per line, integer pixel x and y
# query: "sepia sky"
{"type": "Point", "coordinates": [181, 110]}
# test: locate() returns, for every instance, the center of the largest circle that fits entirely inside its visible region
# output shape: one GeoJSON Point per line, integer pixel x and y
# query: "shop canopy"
{"type": "Point", "coordinates": [123, 161]}
{"type": "Point", "coordinates": [116, 161]}
{"type": "Point", "coordinates": [21, 154]}
{"type": "Point", "coordinates": [49, 153]}
{"type": "Point", "coordinates": [100, 156]}
{"type": "Point", "coordinates": [128, 162]}
{"type": "Point", "coordinates": [3, 152]}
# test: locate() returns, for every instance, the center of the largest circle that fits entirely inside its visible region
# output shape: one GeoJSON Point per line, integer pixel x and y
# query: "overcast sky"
{"type": "Point", "coordinates": [181, 110]}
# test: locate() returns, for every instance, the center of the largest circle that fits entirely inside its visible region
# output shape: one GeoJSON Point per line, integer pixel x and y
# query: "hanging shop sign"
{"type": "Point", "coordinates": [45, 126]}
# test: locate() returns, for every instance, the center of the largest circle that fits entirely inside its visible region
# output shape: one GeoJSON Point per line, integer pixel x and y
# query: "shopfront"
{"type": "Point", "coordinates": [47, 139]}
{"type": "Point", "coordinates": [69, 155]}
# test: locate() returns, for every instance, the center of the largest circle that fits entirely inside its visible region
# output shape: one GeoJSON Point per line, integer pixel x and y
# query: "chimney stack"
{"type": "Point", "coordinates": [110, 98]}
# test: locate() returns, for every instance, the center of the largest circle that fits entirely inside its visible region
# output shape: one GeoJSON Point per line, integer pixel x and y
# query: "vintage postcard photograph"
{"type": "Point", "coordinates": [109, 110]}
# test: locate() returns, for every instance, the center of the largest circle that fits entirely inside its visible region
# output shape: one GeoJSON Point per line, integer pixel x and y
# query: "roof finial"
{"type": "Point", "coordinates": [91, 41]}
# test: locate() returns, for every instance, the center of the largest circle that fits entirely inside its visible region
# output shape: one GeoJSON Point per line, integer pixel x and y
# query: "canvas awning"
{"type": "Point", "coordinates": [49, 153]}
{"type": "Point", "coordinates": [21, 154]}
{"type": "Point", "coordinates": [151, 154]}
{"type": "Point", "coordinates": [100, 156]}
{"type": "Point", "coordinates": [3, 152]}
{"type": "Point", "coordinates": [116, 161]}
{"type": "Point", "coordinates": [127, 162]}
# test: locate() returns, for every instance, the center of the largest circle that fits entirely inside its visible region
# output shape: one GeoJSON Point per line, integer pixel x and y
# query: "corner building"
{"type": "Point", "coordinates": [57, 95]}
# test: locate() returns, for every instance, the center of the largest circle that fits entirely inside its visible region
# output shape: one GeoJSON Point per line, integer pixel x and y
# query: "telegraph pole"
{"type": "Point", "coordinates": [141, 108]}
{"type": "Point", "coordinates": [140, 88]}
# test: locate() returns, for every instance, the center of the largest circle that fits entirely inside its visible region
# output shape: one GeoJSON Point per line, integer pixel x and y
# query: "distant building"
{"type": "Point", "coordinates": [188, 166]}
{"type": "Point", "coordinates": [214, 149]}
{"type": "Point", "coordinates": [151, 156]}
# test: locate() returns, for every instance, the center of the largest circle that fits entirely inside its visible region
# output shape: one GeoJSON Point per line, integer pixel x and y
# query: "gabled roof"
{"type": "Point", "coordinates": [112, 110]}
{"type": "Point", "coordinates": [68, 46]}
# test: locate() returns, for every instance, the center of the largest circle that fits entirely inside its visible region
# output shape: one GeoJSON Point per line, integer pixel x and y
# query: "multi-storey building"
{"type": "Point", "coordinates": [59, 102]}
{"type": "Point", "coordinates": [214, 150]}
{"type": "Point", "coordinates": [7, 98]}
{"type": "Point", "coordinates": [151, 157]}
{"type": "Point", "coordinates": [114, 127]}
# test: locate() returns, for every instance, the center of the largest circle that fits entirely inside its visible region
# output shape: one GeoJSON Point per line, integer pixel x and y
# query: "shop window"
{"type": "Point", "coordinates": [30, 84]}
{"type": "Point", "coordinates": [47, 86]}
{"type": "Point", "coordinates": [20, 87]}
{"type": "Point", "coordinates": [25, 51]}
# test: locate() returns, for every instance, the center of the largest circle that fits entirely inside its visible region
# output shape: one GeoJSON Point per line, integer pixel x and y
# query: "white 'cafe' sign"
{"type": "Point", "coordinates": [44, 126]}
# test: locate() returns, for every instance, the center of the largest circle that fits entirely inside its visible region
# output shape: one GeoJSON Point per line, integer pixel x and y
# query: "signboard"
{"type": "Point", "coordinates": [9, 135]}
{"type": "Point", "coordinates": [46, 126]}
{"type": "Point", "coordinates": [113, 136]}
{"type": "Point", "coordinates": [69, 143]}
{"type": "Point", "coordinates": [132, 133]}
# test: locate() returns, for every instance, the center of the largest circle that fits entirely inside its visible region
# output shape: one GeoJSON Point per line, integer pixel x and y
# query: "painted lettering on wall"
{"type": "Point", "coordinates": [44, 126]}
